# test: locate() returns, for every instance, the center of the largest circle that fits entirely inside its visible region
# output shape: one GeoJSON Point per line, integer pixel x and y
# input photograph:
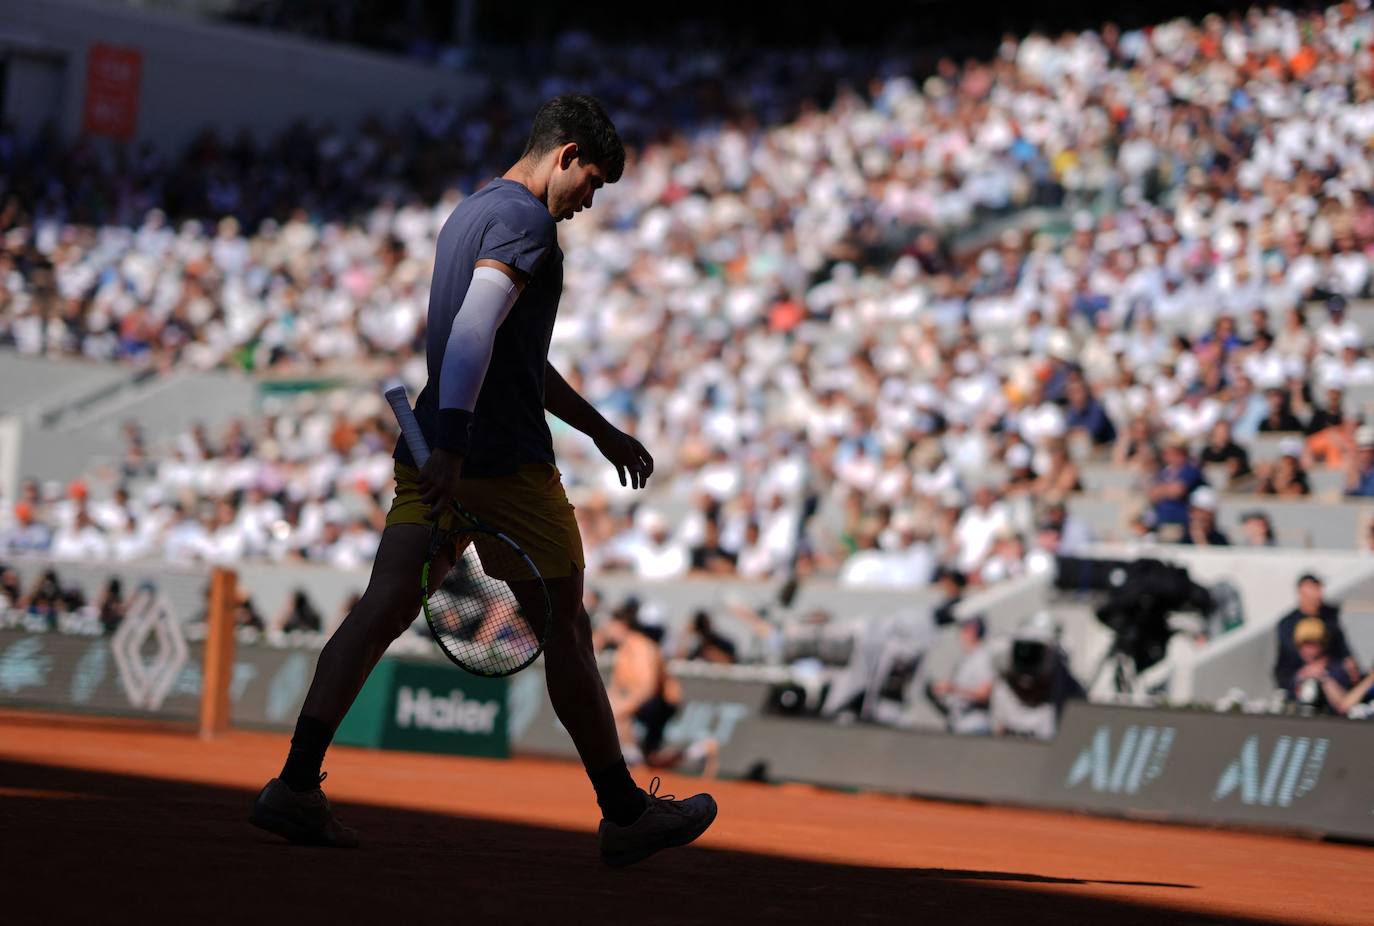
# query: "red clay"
{"type": "Point", "coordinates": [124, 823]}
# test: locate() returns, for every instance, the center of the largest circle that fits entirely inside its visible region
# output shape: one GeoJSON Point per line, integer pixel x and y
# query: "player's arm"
{"type": "Point", "coordinates": [627, 454]}
{"type": "Point", "coordinates": [494, 288]}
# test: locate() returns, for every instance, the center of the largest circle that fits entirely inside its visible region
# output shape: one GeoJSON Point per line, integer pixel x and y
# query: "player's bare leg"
{"type": "Point", "coordinates": [635, 824]}
{"type": "Point", "coordinates": [293, 805]}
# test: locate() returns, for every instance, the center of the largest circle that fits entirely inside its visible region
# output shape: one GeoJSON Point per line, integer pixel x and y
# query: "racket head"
{"type": "Point", "coordinates": [473, 610]}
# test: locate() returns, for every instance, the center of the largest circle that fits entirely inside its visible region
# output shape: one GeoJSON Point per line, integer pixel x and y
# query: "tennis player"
{"type": "Point", "coordinates": [498, 275]}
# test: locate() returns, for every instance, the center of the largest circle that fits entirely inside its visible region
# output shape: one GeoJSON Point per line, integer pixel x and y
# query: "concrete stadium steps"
{"type": "Point", "coordinates": [33, 387]}
{"type": "Point", "coordinates": [80, 439]}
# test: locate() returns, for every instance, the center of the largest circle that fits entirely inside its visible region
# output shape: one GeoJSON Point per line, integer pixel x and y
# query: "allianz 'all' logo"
{"type": "Point", "coordinates": [1138, 759]}
{"type": "Point", "coordinates": [1292, 770]}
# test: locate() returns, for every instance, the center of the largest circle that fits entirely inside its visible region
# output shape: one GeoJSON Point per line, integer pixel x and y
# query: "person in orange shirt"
{"type": "Point", "coordinates": [1333, 447]}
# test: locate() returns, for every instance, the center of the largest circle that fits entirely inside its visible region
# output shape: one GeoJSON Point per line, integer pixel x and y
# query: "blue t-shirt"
{"type": "Point", "coordinates": [1175, 510]}
{"type": "Point", "coordinates": [1365, 486]}
{"type": "Point", "coordinates": [503, 221]}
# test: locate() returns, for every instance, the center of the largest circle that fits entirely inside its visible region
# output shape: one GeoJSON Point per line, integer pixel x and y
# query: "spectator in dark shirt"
{"type": "Point", "coordinates": [1359, 479]}
{"type": "Point", "coordinates": [1202, 520]}
{"type": "Point", "coordinates": [1310, 604]}
{"type": "Point", "coordinates": [1172, 485]}
{"type": "Point", "coordinates": [1083, 413]}
{"type": "Point", "coordinates": [951, 583]}
{"type": "Point", "coordinates": [1222, 450]}
{"type": "Point", "coordinates": [112, 605]}
{"type": "Point", "coordinates": [301, 614]}
{"type": "Point", "coordinates": [1278, 415]}
{"type": "Point", "coordinates": [709, 556]}
{"type": "Point", "coordinates": [1319, 682]}
{"type": "Point", "coordinates": [705, 643]}
{"type": "Point", "coordinates": [1329, 415]}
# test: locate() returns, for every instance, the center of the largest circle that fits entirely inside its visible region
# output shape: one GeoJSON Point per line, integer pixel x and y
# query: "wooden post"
{"type": "Point", "coordinates": [219, 654]}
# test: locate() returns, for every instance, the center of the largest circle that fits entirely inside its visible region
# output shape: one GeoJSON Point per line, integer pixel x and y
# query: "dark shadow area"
{"type": "Point", "coordinates": [104, 848]}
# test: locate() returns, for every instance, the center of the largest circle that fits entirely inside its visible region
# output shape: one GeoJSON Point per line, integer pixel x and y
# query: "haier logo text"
{"type": "Point", "coordinates": [448, 714]}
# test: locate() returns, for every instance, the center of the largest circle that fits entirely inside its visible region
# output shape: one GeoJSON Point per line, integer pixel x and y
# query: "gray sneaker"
{"type": "Point", "coordinates": [302, 817]}
{"type": "Point", "coordinates": [665, 823]}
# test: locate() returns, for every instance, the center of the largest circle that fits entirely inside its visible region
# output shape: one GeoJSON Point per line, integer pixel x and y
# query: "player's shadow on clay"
{"type": "Point", "coordinates": [961, 875]}
{"type": "Point", "coordinates": [165, 845]}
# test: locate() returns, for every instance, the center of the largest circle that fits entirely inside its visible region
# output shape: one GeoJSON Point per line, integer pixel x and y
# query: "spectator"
{"type": "Point", "coordinates": [1331, 414]}
{"type": "Point", "coordinates": [708, 557]}
{"type": "Point", "coordinates": [704, 643]}
{"type": "Point", "coordinates": [11, 591]}
{"type": "Point", "coordinates": [1202, 520]}
{"type": "Point", "coordinates": [27, 536]}
{"type": "Point", "coordinates": [246, 612]}
{"type": "Point", "coordinates": [964, 697]}
{"type": "Point", "coordinates": [977, 526]}
{"type": "Point", "coordinates": [1337, 330]}
{"type": "Point", "coordinates": [300, 614]}
{"type": "Point", "coordinates": [1007, 559]}
{"type": "Point", "coordinates": [1074, 533]}
{"type": "Point", "coordinates": [1310, 605]}
{"type": "Point", "coordinates": [1085, 415]}
{"type": "Point", "coordinates": [1060, 476]}
{"type": "Point", "coordinates": [111, 606]}
{"type": "Point", "coordinates": [1278, 415]}
{"type": "Point", "coordinates": [1257, 530]}
{"type": "Point", "coordinates": [1221, 450]}
{"type": "Point", "coordinates": [656, 555]}
{"type": "Point", "coordinates": [1319, 683]}
{"type": "Point", "coordinates": [1171, 487]}
{"type": "Point", "coordinates": [1334, 446]}
{"type": "Point", "coordinates": [951, 583]}
{"type": "Point", "coordinates": [1285, 476]}
{"type": "Point", "coordinates": [1359, 479]}
{"type": "Point", "coordinates": [81, 540]}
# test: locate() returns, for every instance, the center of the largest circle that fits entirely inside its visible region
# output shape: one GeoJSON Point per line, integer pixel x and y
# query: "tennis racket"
{"type": "Point", "coordinates": [490, 611]}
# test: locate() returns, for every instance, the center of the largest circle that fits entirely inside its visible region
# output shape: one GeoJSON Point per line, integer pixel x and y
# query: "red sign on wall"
{"type": "Point", "coordinates": [112, 82]}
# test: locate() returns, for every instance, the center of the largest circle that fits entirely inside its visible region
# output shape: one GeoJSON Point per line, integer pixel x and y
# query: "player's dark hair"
{"type": "Point", "coordinates": [578, 118]}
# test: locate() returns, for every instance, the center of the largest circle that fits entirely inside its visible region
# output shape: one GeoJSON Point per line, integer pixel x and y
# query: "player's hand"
{"type": "Point", "coordinates": [627, 455]}
{"type": "Point", "coordinates": [439, 481]}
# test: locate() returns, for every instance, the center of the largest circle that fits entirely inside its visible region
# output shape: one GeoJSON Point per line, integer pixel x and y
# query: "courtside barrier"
{"type": "Point", "coordinates": [1306, 773]}
{"type": "Point", "coordinates": [1297, 773]}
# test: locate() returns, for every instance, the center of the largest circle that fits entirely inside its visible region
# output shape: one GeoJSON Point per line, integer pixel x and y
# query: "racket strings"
{"type": "Point", "coordinates": [476, 617]}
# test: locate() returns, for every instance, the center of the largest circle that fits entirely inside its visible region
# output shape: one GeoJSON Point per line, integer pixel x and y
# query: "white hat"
{"type": "Point", "coordinates": [1290, 447]}
{"type": "Point", "coordinates": [1364, 435]}
{"type": "Point", "coordinates": [1018, 456]}
{"type": "Point", "coordinates": [1204, 497]}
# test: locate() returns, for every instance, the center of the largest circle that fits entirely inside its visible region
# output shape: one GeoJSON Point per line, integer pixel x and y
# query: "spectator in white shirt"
{"type": "Point", "coordinates": [657, 555]}
{"type": "Point", "coordinates": [976, 528]}
{"type": "Point", "coordinates": [81, 539]}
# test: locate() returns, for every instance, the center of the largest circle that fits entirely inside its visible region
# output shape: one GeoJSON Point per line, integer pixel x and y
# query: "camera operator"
{"type": "Point", "coordinates": [1033, 682]}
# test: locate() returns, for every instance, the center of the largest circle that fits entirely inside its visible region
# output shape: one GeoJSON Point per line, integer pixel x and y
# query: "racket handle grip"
{"type": "Point", "coordinates": [395, 392]}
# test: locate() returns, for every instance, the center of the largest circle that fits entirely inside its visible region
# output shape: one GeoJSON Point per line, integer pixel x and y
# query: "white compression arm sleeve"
{"type": "Point", "coordinates": [487, 303]}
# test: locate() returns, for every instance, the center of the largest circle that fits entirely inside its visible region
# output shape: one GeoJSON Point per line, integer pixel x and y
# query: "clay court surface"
{"type": "Point", "coordinates": [124, 823]}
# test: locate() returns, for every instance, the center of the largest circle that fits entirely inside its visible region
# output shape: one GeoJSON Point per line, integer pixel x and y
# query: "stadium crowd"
{"type": "Point", "coordinates": [771, 298]}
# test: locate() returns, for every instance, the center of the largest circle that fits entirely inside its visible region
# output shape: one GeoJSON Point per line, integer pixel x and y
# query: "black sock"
{"type": "Point", "coordinates": [621, 801]}
{"type": "Point", "coordinates": [302, 769]}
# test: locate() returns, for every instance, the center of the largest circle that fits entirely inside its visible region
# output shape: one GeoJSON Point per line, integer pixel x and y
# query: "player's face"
{"type": "Point", "coordinates": [573, 184]}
